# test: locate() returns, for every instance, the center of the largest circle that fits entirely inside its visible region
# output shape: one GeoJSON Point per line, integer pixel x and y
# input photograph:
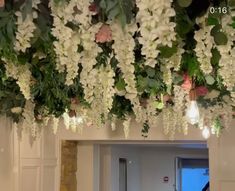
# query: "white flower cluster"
{"type": "Point", "coordinates": [205, 43]}
{"type": "Point", "coordinates": [169, 122]}
{"type": "Point", "coordinates": [29, 119]}
{"type": "Point", "coordinates": [126, 127]}
{"type": "Point", "coordinates": [123, 46]}
{"type": "Point", "coordinates": [181, 98]}
{"type": "Point", "coordinates": [125, 56]}
{"type": "Point", "coordinates": [103, 93]}
{"type": "Point", "coordinates": [25, 28]}
{"type": "Point", "coordinates": [66, 46]}
{"type": "Point", "coordinates": [55, 124]}
{"type": "Point", "coordinates": [227, 53]}
{"type": "Point", "coordinates": [172, 63]}
{"type": "Point", "coordinates": [173, 116]}
{"type": "Point", "coordinates": [224, 112]}
{"type": "Point", "coordinates": [155, 27]}
{"type": "Point", "coordinates": [21, 74]}
{"type": "Point", "coordinates": [88, 59]}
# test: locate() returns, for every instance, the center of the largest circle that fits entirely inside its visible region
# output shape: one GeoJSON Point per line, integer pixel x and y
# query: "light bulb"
{"type": "Point", "coordinates": [192, 113]}
{"type": "Point", "coordinates": [206, 132]}
{"type": "Point", "coordinates": [79, 120]}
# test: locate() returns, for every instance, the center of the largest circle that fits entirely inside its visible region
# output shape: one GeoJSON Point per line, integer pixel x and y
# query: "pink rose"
{"type": "Point", "coordinates": [187, 85]}
{"type": "Point", "coordinates": [2, 3]}
{"type": "Point", "coordinates": [201, 90]}
{"type": "Point", "coordinates": [93, 8]}
{"type": "Point", "coordinates": [104, 34]}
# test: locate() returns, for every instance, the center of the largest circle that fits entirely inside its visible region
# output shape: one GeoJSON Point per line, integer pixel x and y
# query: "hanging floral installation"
{"type": "Point", "coordinates": [94, 63]}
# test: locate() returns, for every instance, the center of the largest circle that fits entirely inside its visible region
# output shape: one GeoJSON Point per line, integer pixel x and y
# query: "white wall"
{"type": "Point", "coordinates": [222, 160]}
{"type": "Point", "coordinates": [6, 155]}
{"type": "Point", "coordinates": [133, 167]}
{"type": "Point", "coordinates": [148, 165]}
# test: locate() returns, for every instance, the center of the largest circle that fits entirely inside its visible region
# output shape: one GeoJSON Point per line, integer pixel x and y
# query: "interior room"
{"type": "Point", "coordinates": [117, 95]}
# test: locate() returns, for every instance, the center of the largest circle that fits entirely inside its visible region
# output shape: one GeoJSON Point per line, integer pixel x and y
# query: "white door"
{"type": "Point", "coordinates": [37, 163]}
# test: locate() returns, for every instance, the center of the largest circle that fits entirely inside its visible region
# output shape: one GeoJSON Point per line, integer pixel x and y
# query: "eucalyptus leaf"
{"type": "Point", "coordinates": [184, 3]}
{"type": "Point", "coordinates": [210, 80]}
{"type": "Point", "coordinates": [158, 105]}
{"type": "Point", "coordinates": [220, 38]}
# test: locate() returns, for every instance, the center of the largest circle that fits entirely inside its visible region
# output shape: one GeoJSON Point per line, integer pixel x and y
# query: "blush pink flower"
{"type": "Point", "coordinates": [104, 34]}
{"type": "Point", "coordinates": [201, 91]}
{"type": "Point", "coordinates": [187, 85]}
{"type": "Point", "coordinates": [93, 8]}
{"type": "Point", "coordinates": [2, 3]}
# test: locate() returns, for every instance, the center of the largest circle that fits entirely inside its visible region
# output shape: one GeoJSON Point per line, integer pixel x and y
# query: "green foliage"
{"type": "Point", "coordinates": [184, 3]}
{"type": "Point", "coordinates": [49, 91]}
{"type": "Point", "coordinates": [118, 9]}
{"type": "Point", "coordinates": [145, 129]}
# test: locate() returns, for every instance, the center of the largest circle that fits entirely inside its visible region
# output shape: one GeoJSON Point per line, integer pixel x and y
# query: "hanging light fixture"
{"type": "Point", "coordinates": [192, 112]}
{"type": "Point", "coordinates": [206, 132]}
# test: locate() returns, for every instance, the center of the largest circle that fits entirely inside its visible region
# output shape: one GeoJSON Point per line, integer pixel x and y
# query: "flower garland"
{"type": "Point", "coordinates": [103, 95]}
{"type": "Point", "coordinates": [21, 74]}
{"type": "Point", "coordinates": [205, 43]}
{"type": "Point", "coordinates": [25, 28]}
{"type": "Point", "coordinates": [156, 29]}
{"type": "Point", "coordinates": [88, 59]}
{"type": "Point", "coordinates": [227, 53]}
{"type": "Point", "coordinates": [66, 46]}
{"type": "Point", "coordinates": [125, 56]}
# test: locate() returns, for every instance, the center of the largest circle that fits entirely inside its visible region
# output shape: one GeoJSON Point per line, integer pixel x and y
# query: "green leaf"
{"type": "Point", "coordinates": [118, 9]}
{"type": "Point", "coordinates": [121, 84]}
{"type": "Point", "coordinates": [216, 29]}
{"type": "Point", "coordinates": [215, 57]}
{"type": "Point", "coordinates": [111, 5]}
{"type": "Point", "coordinates": [113, 13]}
{"type": "Point", "coordinates": [150, 72]}
{"type": "Point", "coordinates": [220, 38]}
{"type": "Point", "coordinates": [210, 80]}
{"type": "Point", "coordinates": [103, 4]}
{"type": "Point", "coordinates": [158, 105]}
{"type": "Point", "coordinates": [167, 51]}
{"type": "Point", "coordinates": [184, 3]}
{"type": "Point", "coordinates": [212, 21]}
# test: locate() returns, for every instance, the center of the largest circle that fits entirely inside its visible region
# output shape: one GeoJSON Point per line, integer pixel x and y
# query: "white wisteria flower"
{"type": "Point", "coordinates": [21, 74]}
{"type": "Point", "coordinates": [25, 28]}
{"type": "Point", "coordinates": [155, 27]}
{"type": "Point", "coordinates": [66, 46]}
{"type": "Point", "coordinates": [205, 43]}
{"type": "Point", "coordinates": [227, 53]}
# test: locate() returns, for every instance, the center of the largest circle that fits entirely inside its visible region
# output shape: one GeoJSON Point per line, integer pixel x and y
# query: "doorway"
{"type": "Point", "coordinates": [192, 174]}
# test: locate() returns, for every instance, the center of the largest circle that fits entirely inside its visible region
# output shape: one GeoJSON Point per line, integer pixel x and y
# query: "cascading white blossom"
{"type": "Point", "coordinates": [156, 29]}
{"type": "Point", "coordinates": [174, 116]}
{"type": "Point", "coordinates": [66, 45]}
{"type": "Point", "coordinates": [227, 53]}
{"type": "Point", "coordinates": [88, 59]}
{"type": "Point", "coordinates": [123, 46]}
{"type": "Point", "coordinates": [29, 119]}
{"type": "Point", "coordinates": [180, 99]}
{"type": "Point", "coordinates": [103, 93]}
{"type": "Point", "coordinates": [55, 124]}
{"type": "Point", "coordinates": [25, 28]}
{"type": "Point", "coordinates": [205, 43]}
{"type": "Point", "coordinates": [124, 53]}
{"type": "Point", "coordinates": [169, 121]}
{"type": "Point", "coordinates": [126, 127]}
{"type": "Point", "coordinates": [21, 74]}
{"type": "Point", "coordinates": [171, 64]}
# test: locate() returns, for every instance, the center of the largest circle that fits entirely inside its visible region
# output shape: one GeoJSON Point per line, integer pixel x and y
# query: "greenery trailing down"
{"type": "Point", "coordinates": [52, 96]}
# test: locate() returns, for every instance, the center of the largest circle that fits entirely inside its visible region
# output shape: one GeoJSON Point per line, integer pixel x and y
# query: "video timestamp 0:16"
{"type": "Point", "coordinates": [219, 10]}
